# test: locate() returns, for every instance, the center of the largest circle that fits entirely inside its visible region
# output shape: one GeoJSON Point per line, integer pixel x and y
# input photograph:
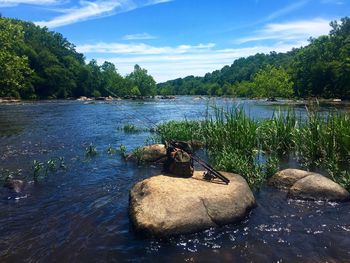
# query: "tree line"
{"type": "Point", "coordinates": [320, 69]}
{"type": "Point", "coordinates": [37, 64]}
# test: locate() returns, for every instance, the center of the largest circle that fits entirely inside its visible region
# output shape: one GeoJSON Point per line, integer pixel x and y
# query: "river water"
{"type": "Point", "coordinates": [80, 214]}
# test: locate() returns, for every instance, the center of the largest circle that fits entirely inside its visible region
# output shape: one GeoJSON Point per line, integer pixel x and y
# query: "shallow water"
{"type": "Point", "coordinates": [81, 214]}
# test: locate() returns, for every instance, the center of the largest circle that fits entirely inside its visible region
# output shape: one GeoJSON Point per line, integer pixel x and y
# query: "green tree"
{"type": "Point", "coordinates": [144, 82]}
{"type": "Point", "coordinates": [14, 68]}
{"type": "Point", "coordinates": [272, 82]}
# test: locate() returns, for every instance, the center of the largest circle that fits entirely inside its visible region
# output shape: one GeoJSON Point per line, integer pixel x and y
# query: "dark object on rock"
{"type": "Point", "coordinates": [165, 205]}
{"type": "Point", "coordinates": [15, 185]}
{"type": "Point", "coordinates": [309, 186]}
{"type": "Point", "coordinates": [178, 162]}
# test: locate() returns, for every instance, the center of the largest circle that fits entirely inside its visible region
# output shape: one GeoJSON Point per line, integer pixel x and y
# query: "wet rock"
{"type": "Point", "coordinates": [165, 205]}
{"type": "Point", "coordinates": [286, 178]}
{"type": "Point", "coordinates": [307, 185]}
{"type": "Point", "coordinates": [83, 98]}
{"type": "Point", "coordinates": [149, 153]}
{"type": "Point", "coordinates": [15, 185]}
{"type": "Point", "coordinates": [318, 187]}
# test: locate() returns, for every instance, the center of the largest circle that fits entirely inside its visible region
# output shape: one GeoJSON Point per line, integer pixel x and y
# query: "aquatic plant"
{"type": "Point", "coordinates": [91, 151]}
{"type": "Point", "coordinates": [122, 150]}
{"type": "Point", "coordinates": [138, 154]}
{"type": "Point", "coordinates": [6, 175]}
{"type": "Point", "coordinates": [110, 150]}
{"type": "Point", "coordinates": [253, 148]}
{"type": "Point", "coordinates": [130, 128]}
{"type": "Point", "coordinates": [37, 167]}
{"type": "Point", "coordinates": [179, 130]}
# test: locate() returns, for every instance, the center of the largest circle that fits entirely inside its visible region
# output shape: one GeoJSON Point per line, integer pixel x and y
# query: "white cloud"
{"type": "Point", "coordinates": [11, 3]}
{"type": "Point", "coordinates": [166, 63]}
{"type": "Point", "coordinates": [87, 10]}
{"type": "Point", "coordinates": [140, 36]}
{"type": "Point", "coordinates": [290, 31]}
{"type": "Point", "coordinates": [140, 49]}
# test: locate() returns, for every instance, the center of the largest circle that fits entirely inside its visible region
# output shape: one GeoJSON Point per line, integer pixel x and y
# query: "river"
{"type": "Point", "coordinates": [80, 214]}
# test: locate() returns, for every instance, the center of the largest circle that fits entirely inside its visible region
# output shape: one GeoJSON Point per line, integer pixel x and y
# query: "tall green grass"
{"type": "Point", "coordinates": [254, 148]}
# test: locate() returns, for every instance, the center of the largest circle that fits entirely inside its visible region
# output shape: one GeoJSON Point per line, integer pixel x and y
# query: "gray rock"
{"type": "Point", "coordinates": [318, 187]}
{"type": "Point", "coordinates": [166, 205]}
{"type": "Point", "coordinates": [285, 179]}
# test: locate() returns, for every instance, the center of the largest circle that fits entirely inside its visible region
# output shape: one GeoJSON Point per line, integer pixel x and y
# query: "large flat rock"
{"type": "Point", "coordinates": [164, 205]}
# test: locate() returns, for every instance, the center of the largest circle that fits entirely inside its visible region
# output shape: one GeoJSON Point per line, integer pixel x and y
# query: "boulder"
{"type": "Point", "coordinates": [165, 205]}
{"type": "Point", "coordinates": [318, 187]}
{"type": "Point", "coordinates": [307, 185]}
{"type": "Point", "coordinates": [149, 153]}
{"type": "Point", "coordinates": [286, 178]}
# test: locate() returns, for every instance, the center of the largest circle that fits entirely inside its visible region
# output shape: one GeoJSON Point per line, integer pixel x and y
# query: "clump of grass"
{"type": "Point", "coordinates": [91, 150]}
{"type": "Point", "coordinates": [123, 151]}
{"type": "Point", "coordinates": [37, 168]}
{"type": "Point", "coordinates": [130, 128]}
{"type": "Point", "coordinates": [41, 169]}
{"type": "Point", "coordinates": [110, 150]}
{"type": "Point", "coordinates": [138, 154]}
{"type": "Point", "coordinates": [7, 175]}
{"type": "Point", "coordinates": [180, 130]}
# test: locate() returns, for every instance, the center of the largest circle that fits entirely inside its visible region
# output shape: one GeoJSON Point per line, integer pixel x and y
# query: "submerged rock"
{"type": "Point", "coordinates": [318, 187]}
{"type": "Point", "coordinates": [15, 185]}
{"type": "Point", "coordinates": [165, 205]}
{"type": "Point", "coordinates": [307, 185]}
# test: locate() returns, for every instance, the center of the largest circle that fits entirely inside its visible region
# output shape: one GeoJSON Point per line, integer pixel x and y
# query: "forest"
{"type": "Point", "coordinates": [36, 63]}
{"type": "Point", "coordinates": [39, 64]}
{"type": "Point", "coordinates": [320, 69]}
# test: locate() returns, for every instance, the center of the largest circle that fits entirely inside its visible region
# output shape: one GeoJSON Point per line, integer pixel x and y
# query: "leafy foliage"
{"type": "Point", "coordinates": [37, 63]}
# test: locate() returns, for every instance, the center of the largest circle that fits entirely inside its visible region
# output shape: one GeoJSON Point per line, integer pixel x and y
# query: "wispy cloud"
{"type": "Point", "coordinates": [141, 49]}
{"type": "Point", "coordinates": [289, 31]}
{"type": "Point", "coordinates": [140, 36]}
{"type": "Point", "coordinates": [87, 10]}
{"type": "Point", "coordinates": [286, 10]}
{"type": "Point", "coordinates": [11, 3]}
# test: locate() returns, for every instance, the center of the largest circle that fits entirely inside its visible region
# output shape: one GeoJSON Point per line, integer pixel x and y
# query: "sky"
{"type": "Point", "coordinates": [177, 38]}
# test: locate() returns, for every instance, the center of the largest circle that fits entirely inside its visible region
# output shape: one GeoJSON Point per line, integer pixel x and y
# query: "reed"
{"type": "Point", "coordinates": [254, 148]}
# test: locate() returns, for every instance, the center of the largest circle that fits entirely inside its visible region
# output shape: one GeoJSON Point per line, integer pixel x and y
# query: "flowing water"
{"type": "Point", "coordinates": [80, 214]}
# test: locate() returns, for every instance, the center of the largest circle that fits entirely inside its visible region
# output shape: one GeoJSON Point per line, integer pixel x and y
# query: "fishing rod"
{"type": "Point", "coordinates": [210, 173]}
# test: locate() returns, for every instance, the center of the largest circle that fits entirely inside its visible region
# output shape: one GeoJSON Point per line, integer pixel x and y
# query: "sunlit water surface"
{"type": "Point", "coordinates": [81, 214]}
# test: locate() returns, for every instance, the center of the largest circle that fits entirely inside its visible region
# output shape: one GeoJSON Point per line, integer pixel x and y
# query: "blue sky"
{"type": "Point", "coordinates": [176, 38]}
